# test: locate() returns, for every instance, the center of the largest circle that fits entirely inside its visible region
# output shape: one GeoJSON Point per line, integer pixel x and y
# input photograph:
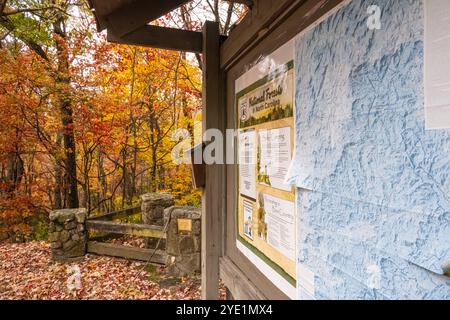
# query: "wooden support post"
{"type": "Point", "coordinates": [212, 204]}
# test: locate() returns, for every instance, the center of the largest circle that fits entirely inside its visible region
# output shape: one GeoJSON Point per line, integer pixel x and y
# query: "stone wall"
{"type": "Point", "coordinates": [152, 206]}
{"type": "Point", "coordinates": [183, 243]}
{"type": "Point", "coordinates": [67, 234]}
{"type": "Point", "coordinates": [182, 225]}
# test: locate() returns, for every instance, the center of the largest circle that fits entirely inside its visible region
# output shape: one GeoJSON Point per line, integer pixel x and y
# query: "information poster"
{"type": "Point", "coordinates": [266, 212]}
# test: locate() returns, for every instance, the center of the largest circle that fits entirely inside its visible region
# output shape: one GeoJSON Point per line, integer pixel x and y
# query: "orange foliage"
{"type": "Point", "coordinates": [126, 103]}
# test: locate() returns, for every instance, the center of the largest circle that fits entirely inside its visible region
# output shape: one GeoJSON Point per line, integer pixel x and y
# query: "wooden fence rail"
{"type": "Point", "coordinates": [120, 214]}
{"type": "Point", "coordinates": [127, 252]}
{"type": "Point", "coordinates": [110, 229]}
{"type": "Point", "coordinates": [140, 230]}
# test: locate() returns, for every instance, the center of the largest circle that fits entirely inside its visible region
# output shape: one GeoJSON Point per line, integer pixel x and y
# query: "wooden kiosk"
{"type": "Point", "coordinates": [268, 26]}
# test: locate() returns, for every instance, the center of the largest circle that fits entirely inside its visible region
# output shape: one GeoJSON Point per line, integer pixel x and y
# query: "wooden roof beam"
{"type": "Point", "coordinates": [248, 3]}
{"type": "Point", "coordinates": [137, 14]}
{"type": "Point", "coordinates": [162, 38]}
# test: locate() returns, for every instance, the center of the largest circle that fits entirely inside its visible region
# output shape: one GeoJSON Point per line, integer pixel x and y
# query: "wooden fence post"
{"type": "Point", "coordinates": [212, 204]}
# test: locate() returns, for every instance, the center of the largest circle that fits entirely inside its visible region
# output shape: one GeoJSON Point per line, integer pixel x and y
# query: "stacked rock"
{"type": "Point", "coordinates": [152, 207]}
{"type": "Point", "coordinates": [183, 246]}
{"type": "Point", "coordinates": [67, 234]}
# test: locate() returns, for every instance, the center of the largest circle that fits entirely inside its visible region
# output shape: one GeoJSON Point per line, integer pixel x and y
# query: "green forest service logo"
{"type": "Point", "coordinates": [244, 110]}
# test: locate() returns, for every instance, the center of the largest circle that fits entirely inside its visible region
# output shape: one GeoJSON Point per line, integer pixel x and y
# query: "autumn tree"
{"type": "Point", "coordinates": [87, 123]}
{"type": "Point", "coordinates": [41, 26]}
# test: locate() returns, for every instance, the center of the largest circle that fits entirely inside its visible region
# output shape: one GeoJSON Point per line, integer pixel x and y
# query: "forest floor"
{"type": "Point", "coordinates": [27, 272]}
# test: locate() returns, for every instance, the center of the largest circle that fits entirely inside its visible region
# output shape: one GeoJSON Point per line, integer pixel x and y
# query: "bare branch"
{"type": "Point", "coordinates": [30, 10]}
{"type": "Point", "coordinates": [2, 5]}
{"type": "Point", "coordinates": [226, 26]}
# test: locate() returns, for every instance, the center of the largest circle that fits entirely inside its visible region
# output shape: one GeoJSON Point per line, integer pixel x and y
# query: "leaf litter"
{"type": "Point", "coordinates": [28, 273]}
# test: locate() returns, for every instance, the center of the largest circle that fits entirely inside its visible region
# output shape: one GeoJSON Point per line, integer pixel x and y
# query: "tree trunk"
{"type": "Point", "coordinates": [124, 177]}
{"type": "Point", "coordinates": [132, 186]}
{"type": "Point", "coordinates": [15, 172]}
{"type": "Point", "coordinates": [154, 149]}
{"type": "Point", "coordinates": [58, 179]}
{"type": "Point", "coordinates": [65, 106]}
{"type": "Point", "coordinates": [58, 185]}
{"type": "Point", "coordinates": [102, 182]}
{"type": "Point", "coordinates": [134, 164]}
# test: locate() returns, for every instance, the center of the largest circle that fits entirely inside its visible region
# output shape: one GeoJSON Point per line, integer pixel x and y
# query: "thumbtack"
{"type": "Point", "coordinates": [446, 268]}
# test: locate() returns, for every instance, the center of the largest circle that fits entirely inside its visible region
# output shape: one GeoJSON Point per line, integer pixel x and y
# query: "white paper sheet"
{"type": "Point", "coordinates": [437, 64]}
{"type": "Point", "coordinates": [280, 218]}
{"type": "Point", "coordinates": [275, 153]}
{"type": "Point", "coordinates": [247, 163]}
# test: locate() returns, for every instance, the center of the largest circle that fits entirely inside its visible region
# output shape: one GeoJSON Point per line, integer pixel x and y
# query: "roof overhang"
{"type": "Point", "coordinates": [127, 22]}
{"type": "Point", "coordinates": [125, 16]}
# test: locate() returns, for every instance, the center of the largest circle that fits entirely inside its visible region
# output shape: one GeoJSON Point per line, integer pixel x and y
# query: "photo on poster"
{"type": "Point", "coordinates": [248, 219]}
{"type": "Point", "coordinates": [262, 225]}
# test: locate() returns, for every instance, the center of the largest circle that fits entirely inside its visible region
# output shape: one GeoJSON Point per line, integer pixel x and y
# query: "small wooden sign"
{"type": "Point", "coordinates": [198, 171]}
{"type": "Point", "coordinates": [184, 225]}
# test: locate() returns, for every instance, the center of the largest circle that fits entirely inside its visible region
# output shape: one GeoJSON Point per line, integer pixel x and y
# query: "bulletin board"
{"type": "Point", "coordinates": [266, 213]}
